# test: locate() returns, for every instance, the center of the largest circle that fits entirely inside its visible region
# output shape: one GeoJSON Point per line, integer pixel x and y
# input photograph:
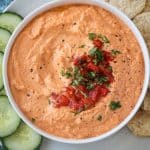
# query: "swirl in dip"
{"type": "Point", "coordinates": [112, 74]}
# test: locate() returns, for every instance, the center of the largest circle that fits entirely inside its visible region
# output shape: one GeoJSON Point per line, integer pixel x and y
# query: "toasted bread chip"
{"type": "Point", "coordinates": [142, 21]}
{"type": "Point", "coordinates": [140, 124]}
{"type": "Point", "coordinates": [146, 104]}
{"type": "Point", "coordinates": [147, 7]}
{"type": "Point", "coordinates": [130, 7]}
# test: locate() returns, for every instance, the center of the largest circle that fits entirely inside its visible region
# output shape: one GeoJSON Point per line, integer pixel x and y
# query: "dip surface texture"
{"type": "Point", "coordinates": [46, 46]}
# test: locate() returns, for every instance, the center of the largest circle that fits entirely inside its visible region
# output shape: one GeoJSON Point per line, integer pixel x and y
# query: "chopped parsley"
{"type": "Point", "coordinates": [76, 70]}
{"type": "Point", "coordinates": [91, 74]}
{"type": "Point", "coordinates": [114, 105]}
{"type": "Point", "coordinates": [95, 61]}
{"type": "Point", "coordinates": [82, 46]}
{"type": "Point", "coordinates": [90, 86]}
{"type": "Point", "coordinates": [99, 118]}
{"type": "Point", "coordinates": [49, 101]}
{"type": "Point", "coordinates": [77, 77]}
{"type": "Point", "coordinates": [97, 54]}
{"type": "Point", "coordinates": [101, 79]}
{"type": "Point", "coordinates": [93, 51]}
{"type": "Point", "coordinates": [115, 52]}
{"type": "Point", "coordinates": [67, 73]}
{"type": "Point", "coordinates": [92, 36]}
{"type": "Point", "coordinates": [104, 38]}
{"type": "Point", "coordinates": [33, 120]}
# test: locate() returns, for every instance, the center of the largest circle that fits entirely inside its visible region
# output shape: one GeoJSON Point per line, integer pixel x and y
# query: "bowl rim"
{"type": "Point", "coordinates": [114, 11]}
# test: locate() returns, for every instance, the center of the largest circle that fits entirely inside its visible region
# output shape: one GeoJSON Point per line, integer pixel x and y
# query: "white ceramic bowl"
{"type": "Point", "coordinates": [60, 3]}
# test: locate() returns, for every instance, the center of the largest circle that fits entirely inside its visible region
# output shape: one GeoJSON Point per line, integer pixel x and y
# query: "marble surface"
{"type": "Point", "coordinates": [4, 4]}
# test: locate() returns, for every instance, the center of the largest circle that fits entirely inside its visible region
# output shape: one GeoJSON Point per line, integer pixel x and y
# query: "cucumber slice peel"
{"type": "Point", "coordinates": [9, 120]}
{"type": "Point", "coordinates": [2, 92]}
{"type": "Point", "coordinates": [23, 139]}
{"type": "Point", "coordinates": [9, 20]}
{"type": "Point", "coordinates": [4, 37]}
{"type": "Point", "coordinates": [1, 77]}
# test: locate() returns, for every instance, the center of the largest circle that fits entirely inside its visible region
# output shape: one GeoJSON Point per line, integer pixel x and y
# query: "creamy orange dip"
{"type": "Point", "coordinates": [47, 44]}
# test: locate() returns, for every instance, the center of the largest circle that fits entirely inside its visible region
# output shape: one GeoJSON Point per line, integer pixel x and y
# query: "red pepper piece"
{"type": "Point", "coordinates": [94, 94]}
{"type": "Point", "coordinates": [97, 43]}
{"type": "Point", "coordinates": [82, 88]}
{"type": "Point", "coordinates": [103, 91]}
{"type": "Point", "coordinates": [62, 100]}
{"type": "Point", "coordinates": [92, 67]}
{"type": "Point", "coordinates": [107, 56]}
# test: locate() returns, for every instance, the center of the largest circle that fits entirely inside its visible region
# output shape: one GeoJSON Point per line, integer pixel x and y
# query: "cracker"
{"type": "Point", "coordinates": [142, 21]}
{"type": "Point", "coordinates": [146, 104]}
{"type": "Point", "coordinates": [140, 124]}
{"type": "Point", "coordinates": [130, 7]}
{"type": "Point", "coordinates": [147, 6]}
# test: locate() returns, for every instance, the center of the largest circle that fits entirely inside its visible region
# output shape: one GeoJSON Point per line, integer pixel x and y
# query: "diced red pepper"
{"type": "Point", "coordinates": [107, 56]}
{"type": "Point", "coordinates": [82, 88]}
{"type": "Point", "coordinates": [103, 90]}
{"type": "Point", "coordinates": [107, 73]}
{"type": "Point", "coordinates": [62, 100]}
{"type": "Point", "coordinates": [97, 43]}
{"type": "Point", "coordinates": [80, 97]}
{"type": "Point", "coordinates": [80, 60]}
{"type": "Point", "coordinates": [94, 94]}
{"type": "Point", "coordinates": [92, 67]}
{"type": "Point", "coordinates": [76, 61]}
{"type": "Point", "coordinates": [74, 105]}
{"type": "Point", "coordinates": [70, 90]}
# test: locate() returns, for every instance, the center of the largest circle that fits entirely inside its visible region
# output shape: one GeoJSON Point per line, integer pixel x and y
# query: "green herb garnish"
{"type": "Point", "coordinates": [77, 77]}
{"type": "Point", "coordinates": [99, 118]}
{"type": "Point", "coordinates": [76, 70]}
{"type": "Point", "coordinates": [115, 52]}
{"type": "Point", "coordinates": [82, 46]}
{"type": "Point", "coordinates": [49, 101]}
{"type": "Point", "coordinates": [75, 83]}
{"type": "Point", "coordinates": [93, 51]}
{"type": "Point", "coordinates": [92, 36]}
{"type": "Point", "coordinates": [90, 86]}
{"type": "Point", "coordinates": [95, 61]}
{"type": "Point", "coordinates": [91, 75]}
{"type": "Point", "coordinates": [101, 79]}
{"type": "Point", "coordinates": [97, 54]}
{"type": "Point", "coordinates": [104, 38]}
{"type": "Point", "coordinates": [114, 105]}
{"type": "Point", "coordinates": [67, 73]}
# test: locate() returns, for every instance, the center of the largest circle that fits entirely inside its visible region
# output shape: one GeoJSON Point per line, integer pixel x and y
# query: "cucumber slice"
{"type": "Point", "coordinates": [9, 20]}
{"type": "Point", "coordinates": [9, 120]}
{"type": "Point", "coordinates": [3, 92]}
{"type": "Point", "coordinates": [1, 77]}
{"type": "Point", "coordinates": [23, 139]}
{"type": "Point", "coordinates": [4, 37]}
